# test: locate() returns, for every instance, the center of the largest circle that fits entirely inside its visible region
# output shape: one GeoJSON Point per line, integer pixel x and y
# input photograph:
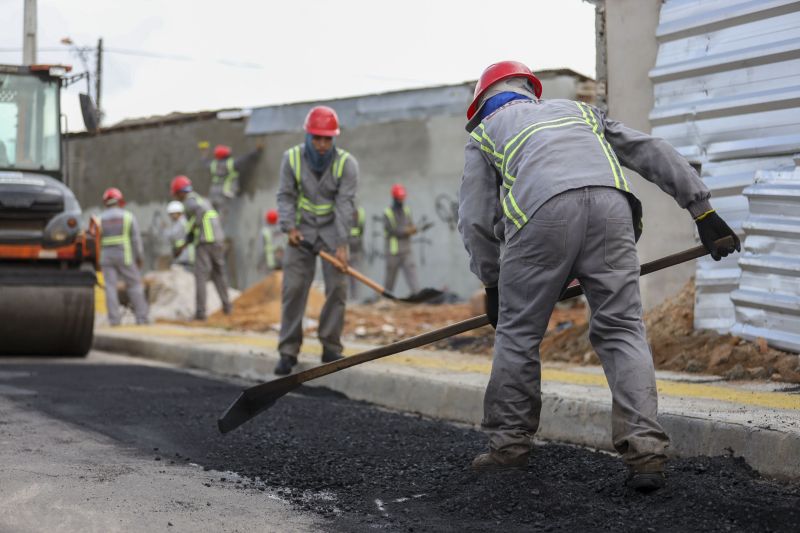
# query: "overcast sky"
{"type": "Point", "coordinates": [191, 55]}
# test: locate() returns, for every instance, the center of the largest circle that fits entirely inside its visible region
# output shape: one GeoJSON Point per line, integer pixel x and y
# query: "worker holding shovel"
{"type": "Point", "coordinates": [315, 204]}
{"type": "Point", "coordinates": [545, 178]}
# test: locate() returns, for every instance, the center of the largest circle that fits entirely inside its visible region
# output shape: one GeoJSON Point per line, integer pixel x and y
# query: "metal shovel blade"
{"type": "Point", "coordinates": [421, 296]}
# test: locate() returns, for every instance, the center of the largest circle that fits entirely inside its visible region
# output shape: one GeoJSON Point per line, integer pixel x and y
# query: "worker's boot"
{"type": "Point", "coordinates": [284, 366]}
{"type": "Point", "coordinates": [329, 357]}
{"type": "Point", "coordinates": [498, 460]}
{"type": "Point", "coordinates": [226, 309]}
{"type": "Point", "coordinates": [646, 479]}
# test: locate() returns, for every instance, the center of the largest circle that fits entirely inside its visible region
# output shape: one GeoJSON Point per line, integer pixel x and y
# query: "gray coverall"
{"type": "Point", "coordinates": [225, 180]}
{"type": "Point", "coordinates": [545, 178]}
{"type": "Point", "coordinates": [176, 234]}
{"type": "Point", "coordinates": [398, 247]}
{"type": "Point", "coordinates": [121, 251]}
{"type": "Point", "coordinates": [209, 260]}
{"type": "Point", "coordinates": [321, 208]}
{"type": "Point", "coordinates": [356, 247]}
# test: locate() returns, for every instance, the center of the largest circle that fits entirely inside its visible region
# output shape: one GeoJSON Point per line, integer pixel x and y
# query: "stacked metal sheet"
{"type": "Point", "coordinates": [727, 95]}
{"type": "Point", "coordinates": [768, 298]}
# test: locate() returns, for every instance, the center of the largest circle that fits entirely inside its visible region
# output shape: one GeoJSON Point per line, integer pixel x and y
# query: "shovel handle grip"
{"type": "Point", "coordinates": [374, 285]}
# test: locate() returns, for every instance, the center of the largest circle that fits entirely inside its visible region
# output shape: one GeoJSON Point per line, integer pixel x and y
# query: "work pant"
{"type": "Point", "coordinates": [356, 261]}
{"type": "Point", "coordinates": [299, 266]}
{"type": "Point", "coordinates": [133, 282]}
{"type": "Point", "coordinates": [209, 261]}
{"type": "Point", "coordinates": [585, 234]}
{"type": "Point", "coordinates": [402, 260]}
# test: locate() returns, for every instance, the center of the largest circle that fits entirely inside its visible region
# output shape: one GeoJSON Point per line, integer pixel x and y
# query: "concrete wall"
{"type": "Point", "coordinates": [425, 152]}
{"type": "Point", "coordinates": [631, 48]}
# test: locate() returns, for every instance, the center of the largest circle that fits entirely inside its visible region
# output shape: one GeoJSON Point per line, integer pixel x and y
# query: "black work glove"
{"type": "Point", "coordinates": [711, 228]}
{"type": "Point", "coordinates": [492, 305]}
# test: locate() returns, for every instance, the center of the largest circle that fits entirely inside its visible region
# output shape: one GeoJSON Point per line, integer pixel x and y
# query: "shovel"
{"type": "Point", "coordinates": [261, 397]}
{"type": "Point", "coordinates": [418, 297]}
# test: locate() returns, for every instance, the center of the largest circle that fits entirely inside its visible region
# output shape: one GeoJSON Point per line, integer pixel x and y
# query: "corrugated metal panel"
{"type": "Point", "coordinates": [726, 96]}
{"type": "Point", "coordinates": [768, 298]}
{"type": "Point", "coordinates": [369, 109]}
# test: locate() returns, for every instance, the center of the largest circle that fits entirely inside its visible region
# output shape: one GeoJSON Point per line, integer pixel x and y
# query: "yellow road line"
{"type": "Point", "coordinates": [773, 400]}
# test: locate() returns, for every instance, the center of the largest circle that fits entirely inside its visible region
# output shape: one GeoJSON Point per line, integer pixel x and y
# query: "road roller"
{"type": "Point", "coordinates": [49, 254]}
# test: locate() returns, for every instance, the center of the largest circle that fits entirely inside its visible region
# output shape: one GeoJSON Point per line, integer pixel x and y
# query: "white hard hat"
{"type": "Point", "coordinates": [175, 207]}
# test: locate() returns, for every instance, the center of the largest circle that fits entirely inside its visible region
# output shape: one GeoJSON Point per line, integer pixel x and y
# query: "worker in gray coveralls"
{"type": "Point", "coordinates": [315, 204]}
{"type": "Point", "coordinates": [544, 177]}
{"type": "Point", "coordinates": [121, 256]}
{"type": "Point", "coordinates": [205, 231]}
{"type": "Point", "coordinates": [356, 248]}
{"type": "Point", "coordinates": [398, 227]}
{"type": "Point", "coordinates": [225, 172]}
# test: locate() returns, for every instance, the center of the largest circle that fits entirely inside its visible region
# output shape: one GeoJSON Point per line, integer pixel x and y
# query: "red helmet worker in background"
{"type": "Point", "coordinates": [398, 192]}
{"type": "Point", "coordinates": [222, 152]}
{"type": "Point", "coordinates": [113, 196]}
{"type": "Point", "coordinates": [316, 198]}
{"type": "Point", "coordinates": [271, 217]}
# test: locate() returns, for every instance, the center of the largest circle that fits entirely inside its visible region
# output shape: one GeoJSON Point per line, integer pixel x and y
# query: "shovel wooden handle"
{"type": "Point", "coordinates": [374, 285]}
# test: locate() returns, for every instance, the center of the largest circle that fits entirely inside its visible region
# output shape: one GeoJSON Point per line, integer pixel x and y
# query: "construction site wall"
{"type": "Point", "coordinates": [415, 137]}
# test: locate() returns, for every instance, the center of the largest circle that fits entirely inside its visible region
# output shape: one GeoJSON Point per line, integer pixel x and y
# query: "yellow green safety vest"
{"type": "Point", "coordinates": [123, 239]}
{"type": "Point", "coordinates": [269, 249]}
{"type": "Point", "coordinates": [394, 245]}
{"type": "Point", "coordinates": [228, 179]}
{"type": "Point", "coordinates": [295, 162]}
{"type": "Point", "coordinates": [358, 229]}
{"type": "Point", "coordinates": [208, 217]}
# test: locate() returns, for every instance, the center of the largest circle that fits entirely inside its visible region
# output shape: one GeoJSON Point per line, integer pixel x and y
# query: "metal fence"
{"type": "Point", "coordinates": [727, 95]}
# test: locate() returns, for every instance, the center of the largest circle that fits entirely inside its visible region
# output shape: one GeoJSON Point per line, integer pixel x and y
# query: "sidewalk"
{"type": "Point", "coordinates": [703, 415]}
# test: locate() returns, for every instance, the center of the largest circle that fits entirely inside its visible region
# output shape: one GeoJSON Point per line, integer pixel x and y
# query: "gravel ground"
{"type": "Point", "coordinates": [366, 469]}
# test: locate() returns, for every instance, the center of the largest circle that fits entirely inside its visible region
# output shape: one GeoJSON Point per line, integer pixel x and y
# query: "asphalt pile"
{"type": "Point", "coordinates": [366, 469]}
{"type": "Point", "coordinates": [677, 346]}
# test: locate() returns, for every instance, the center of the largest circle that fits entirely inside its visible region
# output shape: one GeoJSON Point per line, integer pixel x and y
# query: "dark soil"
{"type": "Point", "coordinates": [366, 469]}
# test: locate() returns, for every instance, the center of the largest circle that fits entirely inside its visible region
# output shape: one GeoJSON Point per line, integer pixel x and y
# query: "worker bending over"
{"type": "Point", "coordinates": [398, 227]}
{"type": "Point", "coordinates": [355, 245]}
{"type": "Point", "coordinates": [315, 200]}
{"type": "Point", "coordinates": [544, 177]}
{"type": "Point", "coordinates": [176, 233]}
{"type": "Point", "coordinates": [205, 231]}
{"type": "Point", "coordinates": [121, 256]}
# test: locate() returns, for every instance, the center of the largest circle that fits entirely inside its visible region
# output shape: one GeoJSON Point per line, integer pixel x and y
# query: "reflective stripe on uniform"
{"type": "Point", "coordinates": [229, 178]}
{"type": "Point", "coordinates": [207, 222]}
{"type": "Point", "coordinates": [295, 162]}
{"type": "Point", "coordinates": [269, 250]}
{"type": "Point", "coordinates": [616, 168]}
{"type": "Point", "coordinates": [358, 229]}
{"type": "Point", "coordinates": [124, 239]}
{"type": "Point", "coordinates": [394, 245]}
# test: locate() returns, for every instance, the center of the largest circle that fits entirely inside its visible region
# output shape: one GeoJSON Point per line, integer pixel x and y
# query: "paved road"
{"type": "Point", "coordinates": [111, 443]}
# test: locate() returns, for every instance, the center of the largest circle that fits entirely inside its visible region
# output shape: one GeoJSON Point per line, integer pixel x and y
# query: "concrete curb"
{"type": "Point", "coordinates": [566, 417]}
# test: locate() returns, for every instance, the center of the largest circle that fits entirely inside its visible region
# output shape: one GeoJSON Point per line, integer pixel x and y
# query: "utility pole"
{"type": "Point", "coordinates": [29, 33]}
{"type": "Point", "coordinates": [98, 78]}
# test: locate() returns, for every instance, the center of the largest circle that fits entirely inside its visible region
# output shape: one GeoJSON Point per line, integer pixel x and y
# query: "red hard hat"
{"type": "Point", "coordinates": [221, 151]}
{"type": "Point", "coordinates": [180, 183]}
{"type": "Point", "coordinates": [272, 216]}
{"type": "Point", "coordinates": [112, 195]}
{"type": "Point", "coordinates": [398, 192]}
{"type": "Point", "coordinates": [322, 121]}
{"type": "Point", "coordinates": [501, 71]}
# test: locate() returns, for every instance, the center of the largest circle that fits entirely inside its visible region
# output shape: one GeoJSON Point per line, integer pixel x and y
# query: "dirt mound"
{"type": "Point", "coordinates": [170, 294]}
{"type": "Point", "coordinates": [258, 308]}
{"type": "Point", "coordinates": [676, 345]}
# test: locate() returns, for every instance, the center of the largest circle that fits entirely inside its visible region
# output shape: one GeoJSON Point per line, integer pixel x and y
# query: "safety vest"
{"type": "Point", "coordinates": [358, 229]}
{"type": "Point", "coordinates": [394, 245]}
{"type": "Point", "coordinates": [208, 216]}
{"type": "Point", "coordinates": [337, 169]}
{"type": "Point", "coordinates": [190, 247]}
{"type": "Point", "coordinates": [269, 249]}
{"type": "Point", "coordinates": [228, 179]}
{"type": "Point", "coordinates": [124, 239]}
